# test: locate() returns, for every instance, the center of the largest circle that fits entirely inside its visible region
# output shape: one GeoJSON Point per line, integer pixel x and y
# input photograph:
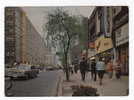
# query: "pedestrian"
{"type": "Point", "coordinates": [63, 68]}
{"type": "Point", "coordinates": [118, 69]}
{"type": "Point", "coordinates": [93, 70]}
{"type": "Point", "coordinates": [83, 68]}
{"type": "Point", "coordinates": [110, 69]}
{"type": "Point", "coordinates": [76, 61]}
{"type": "Point", "coordinates": [76, 68]}
{"type": "Point", "coordinates": [100, 67]}
{"type": "Point", "coordinates": [71, 68]}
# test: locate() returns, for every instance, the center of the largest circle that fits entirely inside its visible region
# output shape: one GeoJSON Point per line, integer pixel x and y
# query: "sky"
{"type": "Point", "coordinates": [38, 15]}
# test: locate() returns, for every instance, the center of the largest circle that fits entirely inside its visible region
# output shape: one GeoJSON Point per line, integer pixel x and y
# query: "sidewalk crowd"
{"type": "Point", "coordinates": [111, 87]}
{"type": "Point", "coordinates": [106, 78]}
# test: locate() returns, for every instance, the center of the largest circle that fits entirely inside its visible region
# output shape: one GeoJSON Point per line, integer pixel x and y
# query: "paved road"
{"type": "Point", "coordinates": [44, 85]}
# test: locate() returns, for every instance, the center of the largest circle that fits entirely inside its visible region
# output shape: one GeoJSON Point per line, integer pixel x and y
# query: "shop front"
{"type": "Point", "coordinates": [122, 48]}
{"type": "Point", "coordinates": [123, 56]}
{"type": "Point", "coordinates": [103, 48]}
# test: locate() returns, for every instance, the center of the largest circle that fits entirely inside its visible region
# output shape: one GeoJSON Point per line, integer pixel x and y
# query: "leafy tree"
{"type": "Point", "coordinates": [82, 37]}
{"type": "Point", "coordinates": [61, 31]}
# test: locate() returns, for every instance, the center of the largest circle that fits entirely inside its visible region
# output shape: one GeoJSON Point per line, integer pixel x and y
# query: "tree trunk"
{"type": "Point", "coordinates": [67, 74]}
{"type": "Point", "coordinates": [66, 68]}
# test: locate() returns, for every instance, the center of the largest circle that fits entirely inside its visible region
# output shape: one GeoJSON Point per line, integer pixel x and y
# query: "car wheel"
{"type": "Point", "coordinates": [35, 75]}
{"type": "Point", "coordinates": [27, 77]}
{"type": "Point", "coordinates": [32, 75]}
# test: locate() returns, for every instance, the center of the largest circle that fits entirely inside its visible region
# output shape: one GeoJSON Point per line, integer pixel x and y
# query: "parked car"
{"type": "Point", "coordinates": [36, 69]}
{"type": "Point", "coordinates": [27, 71]}
{"type": "Point", "coordinates": [21, 71]}
{"type": "Point", "coordinates": [9, 72]}
{"type": "Point", "coordinates": [14, 73]}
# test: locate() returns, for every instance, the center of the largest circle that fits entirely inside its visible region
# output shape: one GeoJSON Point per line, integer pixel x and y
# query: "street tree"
{"type": "Point", "coordinates": [62, 28]}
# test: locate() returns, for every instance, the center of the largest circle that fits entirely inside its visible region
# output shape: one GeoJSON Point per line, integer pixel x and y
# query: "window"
{"type": "Point", "coordinates": [108, 20]}
{"type": "Point", "coordinates": [102, 28]}
{"type": "Point", "coordinates": [118, 32]}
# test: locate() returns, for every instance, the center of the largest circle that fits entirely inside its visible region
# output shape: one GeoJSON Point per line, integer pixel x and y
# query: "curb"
{"type": "Point", "coordinates": [59, 86]}
{"type": "Point", "coordinates": [55, 90]}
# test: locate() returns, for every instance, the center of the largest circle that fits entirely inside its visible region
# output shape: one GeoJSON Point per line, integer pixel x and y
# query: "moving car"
{"type": "Point", "coordinates": [49, 68]}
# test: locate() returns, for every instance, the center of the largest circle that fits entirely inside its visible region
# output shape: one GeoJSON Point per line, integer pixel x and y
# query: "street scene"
{"type": "Point", "coordinates": [66, 51]}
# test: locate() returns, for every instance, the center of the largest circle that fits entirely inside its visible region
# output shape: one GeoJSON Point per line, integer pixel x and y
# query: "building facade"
{"type": "Point", "coordinates": [12, 37]}
{"type": "Point", "coordinates": [121, 34]}
{"type": "Point", "coordinates": [108, 31]}
{"type": "Point", "coordinates": [23, 44]}
{"type": "Point", "coordinates": [100, 30]}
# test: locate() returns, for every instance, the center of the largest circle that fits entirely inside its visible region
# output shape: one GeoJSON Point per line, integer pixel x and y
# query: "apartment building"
{"type": "Point", "coordinates": [108, 31]}
{"type": "Point", "coordinates": [121, 34]}
{"type": "Point", "coordinates": [23, 44]}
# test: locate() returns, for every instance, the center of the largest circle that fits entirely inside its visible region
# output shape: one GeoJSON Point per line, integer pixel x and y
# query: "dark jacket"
{"type": "Point", "coordinates": [93, 68]}
{"type": "Point", "coordinates": [83, 65]}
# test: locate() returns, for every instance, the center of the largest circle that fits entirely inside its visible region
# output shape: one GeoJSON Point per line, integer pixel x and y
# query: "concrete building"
{"type": "Point", "coordinates": [34, 48]}
{"type": "Point", "coordinates": [23, 44]}
{"type": "Point", "coordinates": [12, 35]}
{"type": "Point", "coordinates": [121, 34]}
{"type": "Point", "coordinates": [108, 34]}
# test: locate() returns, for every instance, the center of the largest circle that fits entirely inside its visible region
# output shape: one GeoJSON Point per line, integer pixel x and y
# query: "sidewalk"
{"type": "Point", "coordinates": [112, 87]}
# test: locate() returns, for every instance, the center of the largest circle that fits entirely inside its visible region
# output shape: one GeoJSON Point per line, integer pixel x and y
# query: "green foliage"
{"type": "Point", "coordinates": [61, 57]}
{"type": "Point", "coordinates": [62, 28]}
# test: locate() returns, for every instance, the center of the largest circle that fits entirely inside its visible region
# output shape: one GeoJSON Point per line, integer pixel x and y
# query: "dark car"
{"type": "Point", "coordinates": [49, 68]}
{"type": "Point", "coordinates": [14, 73]}
{"type": "Point", "coordinates": [36, 69]}
{"type": "Point", "coordinates": [23, 71]}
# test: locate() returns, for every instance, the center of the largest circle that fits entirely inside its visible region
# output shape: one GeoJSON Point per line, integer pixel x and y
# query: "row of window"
{"type": "Point", "coordinates": [104, 19]}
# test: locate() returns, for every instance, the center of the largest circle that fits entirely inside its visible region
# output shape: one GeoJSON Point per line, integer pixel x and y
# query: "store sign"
{"type": "Point", "coordinates": [122, 35]}
{"type": "Point", "coordinates": [102, 44]}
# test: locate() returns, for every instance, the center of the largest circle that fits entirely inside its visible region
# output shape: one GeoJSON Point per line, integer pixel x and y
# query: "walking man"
{"type": "Point", "coordinates": [76, 61]}
{"type": "Point", "coordinates": [100, 67]}
{"type": "Point", "coordinates": [93, 70]}
{"type": "Point", "coordinates": [83, 68]}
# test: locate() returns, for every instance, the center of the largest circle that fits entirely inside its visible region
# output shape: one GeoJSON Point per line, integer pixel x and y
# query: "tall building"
{"type": "Point", "coordinates": [12, 35]}
{"type": "Point", "coordinates": [23, 44]}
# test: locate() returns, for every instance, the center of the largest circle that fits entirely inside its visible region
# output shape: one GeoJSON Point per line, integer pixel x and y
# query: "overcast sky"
{"type": "Point", "coordinates": [38, 15]}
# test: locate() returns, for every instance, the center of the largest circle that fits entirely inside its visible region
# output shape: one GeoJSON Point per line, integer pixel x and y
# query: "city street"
{"type": "Point", "coordinates": [44, 85]}
{"type": "Point", "coordinates": [93, 39]}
